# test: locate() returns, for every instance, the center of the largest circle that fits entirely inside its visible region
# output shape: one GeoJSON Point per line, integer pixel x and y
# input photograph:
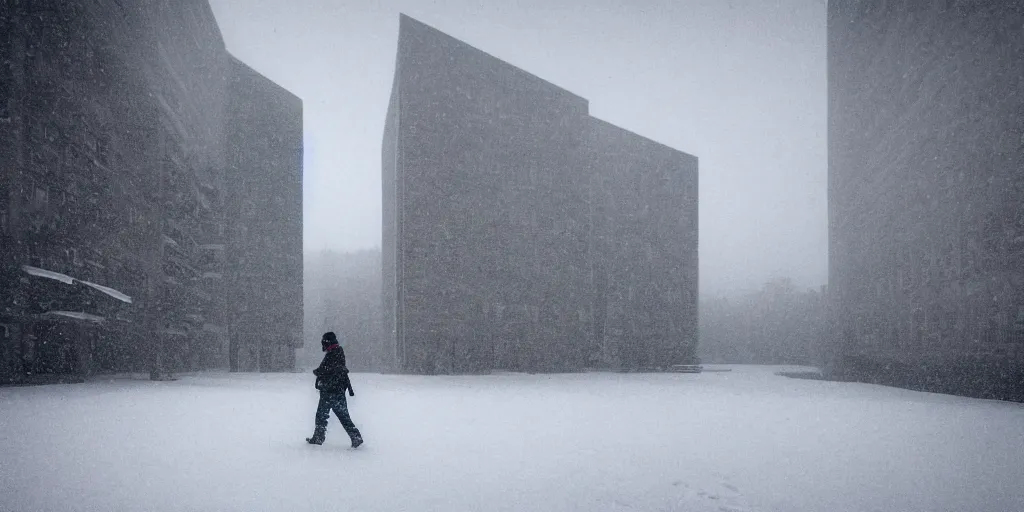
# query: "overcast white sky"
{"type": "Point", "coordinates": [738, 83]}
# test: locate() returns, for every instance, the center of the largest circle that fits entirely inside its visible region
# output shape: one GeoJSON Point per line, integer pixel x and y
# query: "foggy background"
{"type": "Point", "coordinates": [740, 84]}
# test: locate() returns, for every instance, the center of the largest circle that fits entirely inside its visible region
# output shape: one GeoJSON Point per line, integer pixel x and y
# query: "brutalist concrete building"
{"type": "Point", "coordinates": [114, 202]}
{"type": "Point", "coordinates": [521, 233]}
{"type": "Point", "coordinates": [926, 194]}
{"type": "Point", "coordinates": [263, 190]}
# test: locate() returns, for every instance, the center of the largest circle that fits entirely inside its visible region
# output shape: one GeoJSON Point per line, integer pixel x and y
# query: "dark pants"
{"type": "Point", "coordinates": [337, 403]}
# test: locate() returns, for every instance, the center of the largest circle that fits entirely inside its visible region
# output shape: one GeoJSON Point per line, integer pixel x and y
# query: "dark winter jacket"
{"type": "Point", "coordinates": [332, 374]}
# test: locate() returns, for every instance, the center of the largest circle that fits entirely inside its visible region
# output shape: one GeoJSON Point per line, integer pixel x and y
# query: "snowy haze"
{"type": "Point", "coordinates": [745, 440]}
{"type": "Point", "coordinates": [740, 84]}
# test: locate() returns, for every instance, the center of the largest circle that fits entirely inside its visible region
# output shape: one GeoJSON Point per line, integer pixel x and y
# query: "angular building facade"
{"type": "Point", "coordinates": [643, 249]}
{"type": "Point", "coordinates": [263, 192]}
{"type": "Point", "coordinates": [113, 199]}
{"type": "Point", "coordinates": [926, 194]}
{"type": "Point", "coordinates": [506, 212]}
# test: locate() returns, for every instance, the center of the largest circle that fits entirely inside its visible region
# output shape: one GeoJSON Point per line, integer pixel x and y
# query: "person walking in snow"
{"type": "Point", "coordinates": [332, 381]}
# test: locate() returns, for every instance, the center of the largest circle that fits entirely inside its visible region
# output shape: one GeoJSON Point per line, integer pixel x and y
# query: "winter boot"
{"type": "Point", "coordinates": [318, 437]}
{"type": "Point", "coordinates": [356, 441]}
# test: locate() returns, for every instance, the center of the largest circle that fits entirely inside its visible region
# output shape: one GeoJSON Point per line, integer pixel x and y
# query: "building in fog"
{"type": "Point", "coordinates": [264, 200]}
{"type": "Point", "coordinates": [521, 233]}
{"type": "Point", "coordinates": [119, 129]}
{"type": "Point", "coordinates": [926, 193]}
{"type": "Point", "coordinates": [342, 294]}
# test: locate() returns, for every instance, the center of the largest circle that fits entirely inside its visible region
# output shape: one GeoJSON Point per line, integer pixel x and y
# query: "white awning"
{"type": "Point", "coordinates": [109, 291]}
{"type": "Point", "coordinates": [78, 315]}
{"type": "Point", "coordinates": [49, 274]}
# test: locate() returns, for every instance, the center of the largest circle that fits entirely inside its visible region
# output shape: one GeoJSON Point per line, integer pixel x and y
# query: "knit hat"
{"type": "Point", "coordinates": [327, 340]}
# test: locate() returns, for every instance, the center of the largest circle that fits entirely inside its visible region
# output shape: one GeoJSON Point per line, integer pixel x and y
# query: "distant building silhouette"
{"type": "Point", "coordinates": [926, 194]}
{"type": "Point", "coordinates": [521, 233]}
{"type": "Point", "coordinates": [127, 158]}
{"type": "Point", "coordinates": [342, 295]}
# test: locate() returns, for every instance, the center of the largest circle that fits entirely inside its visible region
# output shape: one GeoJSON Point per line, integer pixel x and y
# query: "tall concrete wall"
{"type": "Point", "coordinates": [112, 158]}
{"type": "Point", "coordinates": [485, 165]}
{"type": "Point", "coordinates": [388, 353]}
{"type": "Point", "coordinates": [264, 199]}
{"type": "Point", "coordinates": [488, 232]}
{"type": "Point", "coordinates": [644, 256]}
{"type": "Point", "coordinates": [926, 188]}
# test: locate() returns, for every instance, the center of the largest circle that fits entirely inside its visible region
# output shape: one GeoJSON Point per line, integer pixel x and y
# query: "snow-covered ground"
{"type": "Point", "coordinates": [740, 440]}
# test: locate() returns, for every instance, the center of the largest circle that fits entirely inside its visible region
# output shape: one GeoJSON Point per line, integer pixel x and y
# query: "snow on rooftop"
{"type": "Point", "coordinates": [745, 440]}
